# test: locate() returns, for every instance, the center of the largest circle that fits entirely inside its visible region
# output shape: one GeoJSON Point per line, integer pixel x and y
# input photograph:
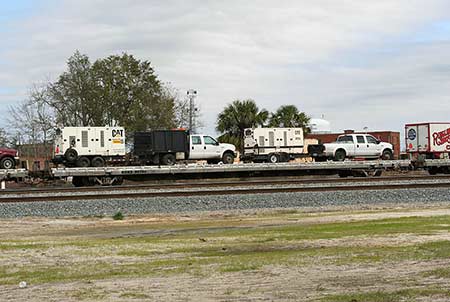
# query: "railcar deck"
{"type": "Point", "coordinates": [6, 174]}
{"type": "Point", "coordinates": [215, 169]}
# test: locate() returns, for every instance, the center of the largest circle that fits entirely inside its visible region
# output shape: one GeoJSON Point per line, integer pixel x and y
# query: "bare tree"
{"type": "Point", "coordinates": [5, 140]}
{"type": "Point", "coordinates": [33, 121]}
{"type": "Point", "coordinates": [182, 108]}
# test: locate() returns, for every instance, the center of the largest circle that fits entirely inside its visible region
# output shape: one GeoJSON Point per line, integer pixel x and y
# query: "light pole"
{"type": "Point", "coordinates": [191, 93]}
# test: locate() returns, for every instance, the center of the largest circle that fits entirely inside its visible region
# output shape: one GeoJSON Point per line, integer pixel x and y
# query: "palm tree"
{"type": "Point", "coordinates": [238, 116]}
{"type": "Point", "coordinates": [290, 117]}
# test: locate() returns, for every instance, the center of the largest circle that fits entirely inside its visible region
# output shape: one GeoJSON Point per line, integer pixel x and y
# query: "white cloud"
{"type": "Point", "coordinates": [350, 60]}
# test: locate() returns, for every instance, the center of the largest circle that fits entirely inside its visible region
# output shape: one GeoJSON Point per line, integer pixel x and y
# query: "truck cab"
{"type": "Point", "coordinates": [8, 158]}
{"type": "Point", "coordinates": [355, 146]}
{"type": "Point", "coordinates": [205, 147]}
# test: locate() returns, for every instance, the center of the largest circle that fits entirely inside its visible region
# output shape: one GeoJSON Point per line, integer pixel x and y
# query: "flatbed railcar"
{"type": "Point", "coordinates": [116, 175]}
{"type": "Point", "coordinates": [90, 176]}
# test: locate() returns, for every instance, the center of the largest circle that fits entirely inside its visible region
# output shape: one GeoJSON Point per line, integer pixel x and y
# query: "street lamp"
{"type": "Point", "coordinates": [191, 94]}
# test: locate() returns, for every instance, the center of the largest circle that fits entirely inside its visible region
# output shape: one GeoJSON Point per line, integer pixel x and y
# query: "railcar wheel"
{"type": "Point", "coordinates": [433, 170]}
{"type": "Point", "coordinates": [71, 155]}
{"type": "Point", "coordinates": [77, 181]}
{"type": "Point", "coordinates": [83, 162]}
{"type": "Point", "coordinates": [168, 160]}
{"type": "Point", "coordinates": [339, 155]}
{"type": "Point", "coordinates": [7, 163]}
{"type": "Point", "coordinates": [274, 158]}
{"type": "Point", "coordinates": [98, 162]}
{"type": "Point", "coordinates": [387, 155]}
{"type": "Point", "coordinates": [228, 158]}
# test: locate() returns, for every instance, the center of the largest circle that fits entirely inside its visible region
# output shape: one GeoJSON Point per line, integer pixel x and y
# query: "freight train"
{"type": "Point", "coordinates": [99, 154]}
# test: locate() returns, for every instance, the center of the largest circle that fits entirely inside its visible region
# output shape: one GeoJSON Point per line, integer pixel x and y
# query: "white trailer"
{"type": "Point", "coordinates": [429, 139]}
{"type": "Point", "coordinates": [273, 144]}
{"type": "Point", "coordinates": [89, 146]}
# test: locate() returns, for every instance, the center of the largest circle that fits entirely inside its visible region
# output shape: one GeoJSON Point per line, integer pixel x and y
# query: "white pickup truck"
{"type": "Point", "coordinates": [204, 147]}
{"type": "Point", "coordinates": [352, 146]}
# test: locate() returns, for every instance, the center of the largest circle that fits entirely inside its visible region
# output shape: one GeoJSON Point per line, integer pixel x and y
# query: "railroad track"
{"type": "Point", "coordinates": [220, 183]}
{"type": "Point", "coordinates": [226, 191]}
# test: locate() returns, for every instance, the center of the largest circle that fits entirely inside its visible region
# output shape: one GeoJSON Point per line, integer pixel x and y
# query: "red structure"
{"type": "Point", "coordinates": [385, 136]}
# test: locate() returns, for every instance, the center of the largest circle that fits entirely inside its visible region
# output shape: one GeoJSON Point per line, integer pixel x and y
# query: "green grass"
{"type": "Point", "coordinates": [396, 296]}
{"type": "Point", "coordinates": [222, 249]}
{"type": "Point", "coordinates": [443, 272]}
{"type": "Point", "coordinates": [134, 295]}
{"type": "Point", "coordinates": [88, 294]}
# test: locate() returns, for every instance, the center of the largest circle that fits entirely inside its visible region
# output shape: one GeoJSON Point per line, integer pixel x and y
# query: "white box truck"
{"type": "Point", "coordinates": [431, 140]}
{"type": "Point", "coordinates": [272, 144]}
{"type": "Point", "coordinates": [89, 146]}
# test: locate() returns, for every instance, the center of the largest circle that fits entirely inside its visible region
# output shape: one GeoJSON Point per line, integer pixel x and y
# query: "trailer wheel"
{"type": "Point", "coordinates": [228, 158]}
{"type": "Point", "coordinates": [387, 155]}
{"type": "Point", "coordinates": [339, 155]}
{"type": "Point", "coordinates": [71, 155]}
{"type": "Point", "coordinates": [98, 162]}
{"type": "Point", "coordinates": [83, 162]}
{"type": "Point", "coordinates": [168, 160]}
{"type": "Point", "coordinates": [7, 163]}
{"type": "Point", "coordinates": [274, 158]}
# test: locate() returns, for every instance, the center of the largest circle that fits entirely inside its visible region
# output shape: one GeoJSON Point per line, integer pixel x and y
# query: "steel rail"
{"type": "Point", "coordinates": [217, 183]}
{"type": "Point", "coordinates": [245, 191]}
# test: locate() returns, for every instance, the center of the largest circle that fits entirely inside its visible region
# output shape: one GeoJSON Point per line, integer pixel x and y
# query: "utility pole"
{"type": "Point", "coordinates": [191, 96]}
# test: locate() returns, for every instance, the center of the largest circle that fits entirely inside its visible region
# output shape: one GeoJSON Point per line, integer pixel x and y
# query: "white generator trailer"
{"type": "Point", "coordinates": [89, 146]}
{"type": "Point", "coordinates": [429, 140]}
{"type": "Point", "coordinates": [273, 144]}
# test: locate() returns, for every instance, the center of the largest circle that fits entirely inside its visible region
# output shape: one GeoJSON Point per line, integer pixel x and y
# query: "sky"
{"type": "Point", "coordinates": [358, 63]}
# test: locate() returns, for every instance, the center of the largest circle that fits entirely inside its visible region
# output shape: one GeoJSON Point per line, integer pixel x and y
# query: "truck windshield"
{"type": "Point", "coordinates": [345, 139]}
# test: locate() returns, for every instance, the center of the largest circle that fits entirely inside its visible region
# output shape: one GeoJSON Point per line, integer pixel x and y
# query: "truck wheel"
{"type": "Point", "coordinates": [7, 163]}
{"type": "Point", "coordinates": [339, 155]}
{"type": "Point", "coordinates": [98, 162]}
{"type": "Point", "coordinates": [274, 158]}
{"type": "Point", "coordinates": [168, 160]}
{"type": "Point", "coordinates": [387, 155]}
{"type": "Point", "coordinates": [71, 155]}
{"type": "Point", "coordinates": [83, 162]}
{"type": "Point", "coordinates": [228, 158]}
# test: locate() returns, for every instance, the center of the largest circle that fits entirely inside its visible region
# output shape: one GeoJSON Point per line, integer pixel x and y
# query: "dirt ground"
{"type": "Point", "coordinates": [230, 256]}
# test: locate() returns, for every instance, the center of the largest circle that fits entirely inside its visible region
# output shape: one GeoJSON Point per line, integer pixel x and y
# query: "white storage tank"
{"type": "Point", "coordinates": [319, 126]}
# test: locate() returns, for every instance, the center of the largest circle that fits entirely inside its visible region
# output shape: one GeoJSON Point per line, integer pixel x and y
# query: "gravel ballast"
{"type": "Point", "coordinates": [108, 207]}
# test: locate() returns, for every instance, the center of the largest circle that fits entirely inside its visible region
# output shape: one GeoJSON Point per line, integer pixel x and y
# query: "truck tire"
{"type": "Point", "coordinates": [340, 155]}
{"type": "Point", "coordinates": [168, 160]}
{"type": "Point", "coordinates": [387, 155]}
{"type": "Point", "coordinates": [71, 155]}
{"type": "Point", "coordinates": [7, 163]}
{"type": "Point", "coordinates": [228, 158]}
{"type": "Point", "coordinates": [83, 162]}
{"type": "Point", "coordinates": [98, 162]}
{"type": "Point", "coordinates": [274, 158]}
